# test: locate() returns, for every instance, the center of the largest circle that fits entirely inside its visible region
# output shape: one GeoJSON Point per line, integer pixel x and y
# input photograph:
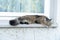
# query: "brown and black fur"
{"type": "Point", "coordinates": [31, 19]}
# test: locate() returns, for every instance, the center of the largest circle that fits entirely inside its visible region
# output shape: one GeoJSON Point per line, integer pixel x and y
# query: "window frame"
{"type": "Point", "coordinates": [50, 10]}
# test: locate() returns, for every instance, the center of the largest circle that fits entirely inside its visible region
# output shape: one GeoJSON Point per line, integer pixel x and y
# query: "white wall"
{"type": "Point", "coordinates": [58, 21]}
{"type": "Point", "coordinates": [32, 33]}
{"type": "Point", "coordinates": [28, 34]}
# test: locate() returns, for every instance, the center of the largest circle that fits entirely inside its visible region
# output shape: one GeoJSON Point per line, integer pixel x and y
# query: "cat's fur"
{"type": "Point", "coordinates": [31, 19]}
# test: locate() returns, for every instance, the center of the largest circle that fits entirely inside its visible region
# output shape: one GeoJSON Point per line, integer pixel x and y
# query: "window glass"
{"type": "Point", "coordinates": [34, 6]}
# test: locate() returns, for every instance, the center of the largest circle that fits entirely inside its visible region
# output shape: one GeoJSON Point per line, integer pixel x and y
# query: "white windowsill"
{"type": "Point", "coordinates": [5, 23]}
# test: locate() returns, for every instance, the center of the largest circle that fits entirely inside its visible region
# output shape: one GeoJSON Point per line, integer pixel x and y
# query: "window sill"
{"type": "Point", "coordinates": [5, 24]}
